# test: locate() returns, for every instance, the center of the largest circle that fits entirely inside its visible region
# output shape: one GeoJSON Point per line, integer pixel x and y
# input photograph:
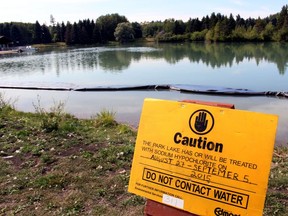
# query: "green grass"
{"type": "Point", "coordinates": [52, 163]}
{"type": "Point", "coordinates": [277, 195]}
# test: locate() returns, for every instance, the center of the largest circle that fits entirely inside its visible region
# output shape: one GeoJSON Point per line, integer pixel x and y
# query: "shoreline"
{"type": "Point", "coordinates": [128, 104]}
{"type": "Point", "coordinates": [4, 52]}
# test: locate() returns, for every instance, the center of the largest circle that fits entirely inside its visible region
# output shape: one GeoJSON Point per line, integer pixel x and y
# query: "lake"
{"type": "Point", "coordinates": [257, 67]}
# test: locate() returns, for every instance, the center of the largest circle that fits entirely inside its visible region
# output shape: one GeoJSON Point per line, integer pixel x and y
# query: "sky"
{"type": "Point", "coordinates": [134, 10]}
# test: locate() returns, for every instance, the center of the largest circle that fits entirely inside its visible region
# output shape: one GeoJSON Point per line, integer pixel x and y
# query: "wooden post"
{"type": "Point", "coordinates": [153, 208]}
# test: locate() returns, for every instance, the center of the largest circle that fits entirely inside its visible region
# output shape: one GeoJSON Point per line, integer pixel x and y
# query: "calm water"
{"type": "Point", "coordinates": [259, 67]}
{"type": "Point", "coordinates": [253, 66]}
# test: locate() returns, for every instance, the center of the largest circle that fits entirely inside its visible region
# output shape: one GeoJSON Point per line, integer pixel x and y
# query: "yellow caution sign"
{"type": "Point", "coordinates": [203, 159]}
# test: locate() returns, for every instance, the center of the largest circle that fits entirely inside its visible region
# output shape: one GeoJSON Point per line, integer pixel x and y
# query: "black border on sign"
{"type": "Point", "coordinates": [242, 194]}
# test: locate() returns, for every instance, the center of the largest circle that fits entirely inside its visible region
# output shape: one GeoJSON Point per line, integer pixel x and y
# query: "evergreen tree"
{"type": "Point", "coordinates": [179, 27]}
{"type": "Point", "coordinates": [56, 37]}
{"type": "Point", "coordinates": [189, 27]}
{"type": "Point", "coordinates": [37, 33]}
{"type": "Point", "coordinates": [205, 23]}
{"type": "Point", "coordinates": [282, 17]}
{"type": "Point", "coordinates": [239, 21]}
{"type": "Point", "coordinates": [259, 25]}
{"type": "Point", "coordinates": [52, 20]}
{"type": "Point", "coordinates": [45, 35]}
{"type": "Point", "coordinates": [68, 34]}
{"type": "Point", "coordinates": [231, 24]}
{"type": "Point", "coordinates": [75, 34]}
{"type": "Point", "coordinates": [15, 35]}
{"type": "Point", "coordinates": [196, 26]}
{"type": "Point", "coordinates": [62, 32]}
{"type": "Point", "coordinates": [96, 36]}
{"type": "Point", "coordinates": [84, 36]}
{"type": "Point", "coordinates": [213, 20]}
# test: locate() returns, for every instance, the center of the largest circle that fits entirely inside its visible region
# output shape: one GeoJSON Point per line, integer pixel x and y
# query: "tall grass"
{"type": "Point", "coordinates": [6, 103]}
{"type": "Point", "coordinates": [52, 118]}
{"type": "Point", "coordinates": [105, 118]}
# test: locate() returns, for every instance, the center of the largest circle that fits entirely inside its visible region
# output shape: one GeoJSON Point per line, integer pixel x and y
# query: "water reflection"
{"type": "Point", "coordinates": [225, 54]}
{"type": "Point", "coordinates": [117, 59]}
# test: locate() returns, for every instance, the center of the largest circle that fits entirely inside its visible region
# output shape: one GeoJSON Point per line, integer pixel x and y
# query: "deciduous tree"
{"type": "Point", "coordinates": [108, 24]}
{"type": "Point", "coordinates": [124, 32]}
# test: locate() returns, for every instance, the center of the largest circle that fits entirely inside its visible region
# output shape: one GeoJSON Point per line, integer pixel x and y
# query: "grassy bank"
{"type": "Point", "coordinates": [54, 164]}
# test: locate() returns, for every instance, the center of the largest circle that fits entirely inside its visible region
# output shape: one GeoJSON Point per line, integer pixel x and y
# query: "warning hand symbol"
{"type": "Point", "coordinates": [201, 122]}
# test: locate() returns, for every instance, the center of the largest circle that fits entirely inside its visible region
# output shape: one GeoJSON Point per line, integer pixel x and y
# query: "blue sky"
{"type": "Point", "coordinates": [133, 10]}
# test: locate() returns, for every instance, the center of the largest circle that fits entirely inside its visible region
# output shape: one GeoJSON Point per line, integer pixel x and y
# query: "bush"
{"type": "Point", "coordinates": [50, 120]}
{"type": "Point", "coordinates": [198, 36]}
{"type": "Point", "coordinates": [105, 118]}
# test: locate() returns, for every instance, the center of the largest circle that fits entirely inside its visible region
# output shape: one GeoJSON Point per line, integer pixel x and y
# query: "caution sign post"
{"type": "Point", "coordinates": [203, 159]}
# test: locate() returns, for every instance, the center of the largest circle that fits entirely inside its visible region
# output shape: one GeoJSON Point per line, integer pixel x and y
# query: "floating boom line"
{"type": "Point", "coordinates": [195, 89]}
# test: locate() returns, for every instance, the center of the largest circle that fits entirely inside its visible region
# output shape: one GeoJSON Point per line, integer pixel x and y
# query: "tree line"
{"type": "Point", "coordinates": [114, 27]}
{"type": "Point", "coordinates": [218, 27]}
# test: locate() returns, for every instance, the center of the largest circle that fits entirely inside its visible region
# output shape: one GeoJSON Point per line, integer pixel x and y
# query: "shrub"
{"type": "Point", "coordinates": [105, 118]}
